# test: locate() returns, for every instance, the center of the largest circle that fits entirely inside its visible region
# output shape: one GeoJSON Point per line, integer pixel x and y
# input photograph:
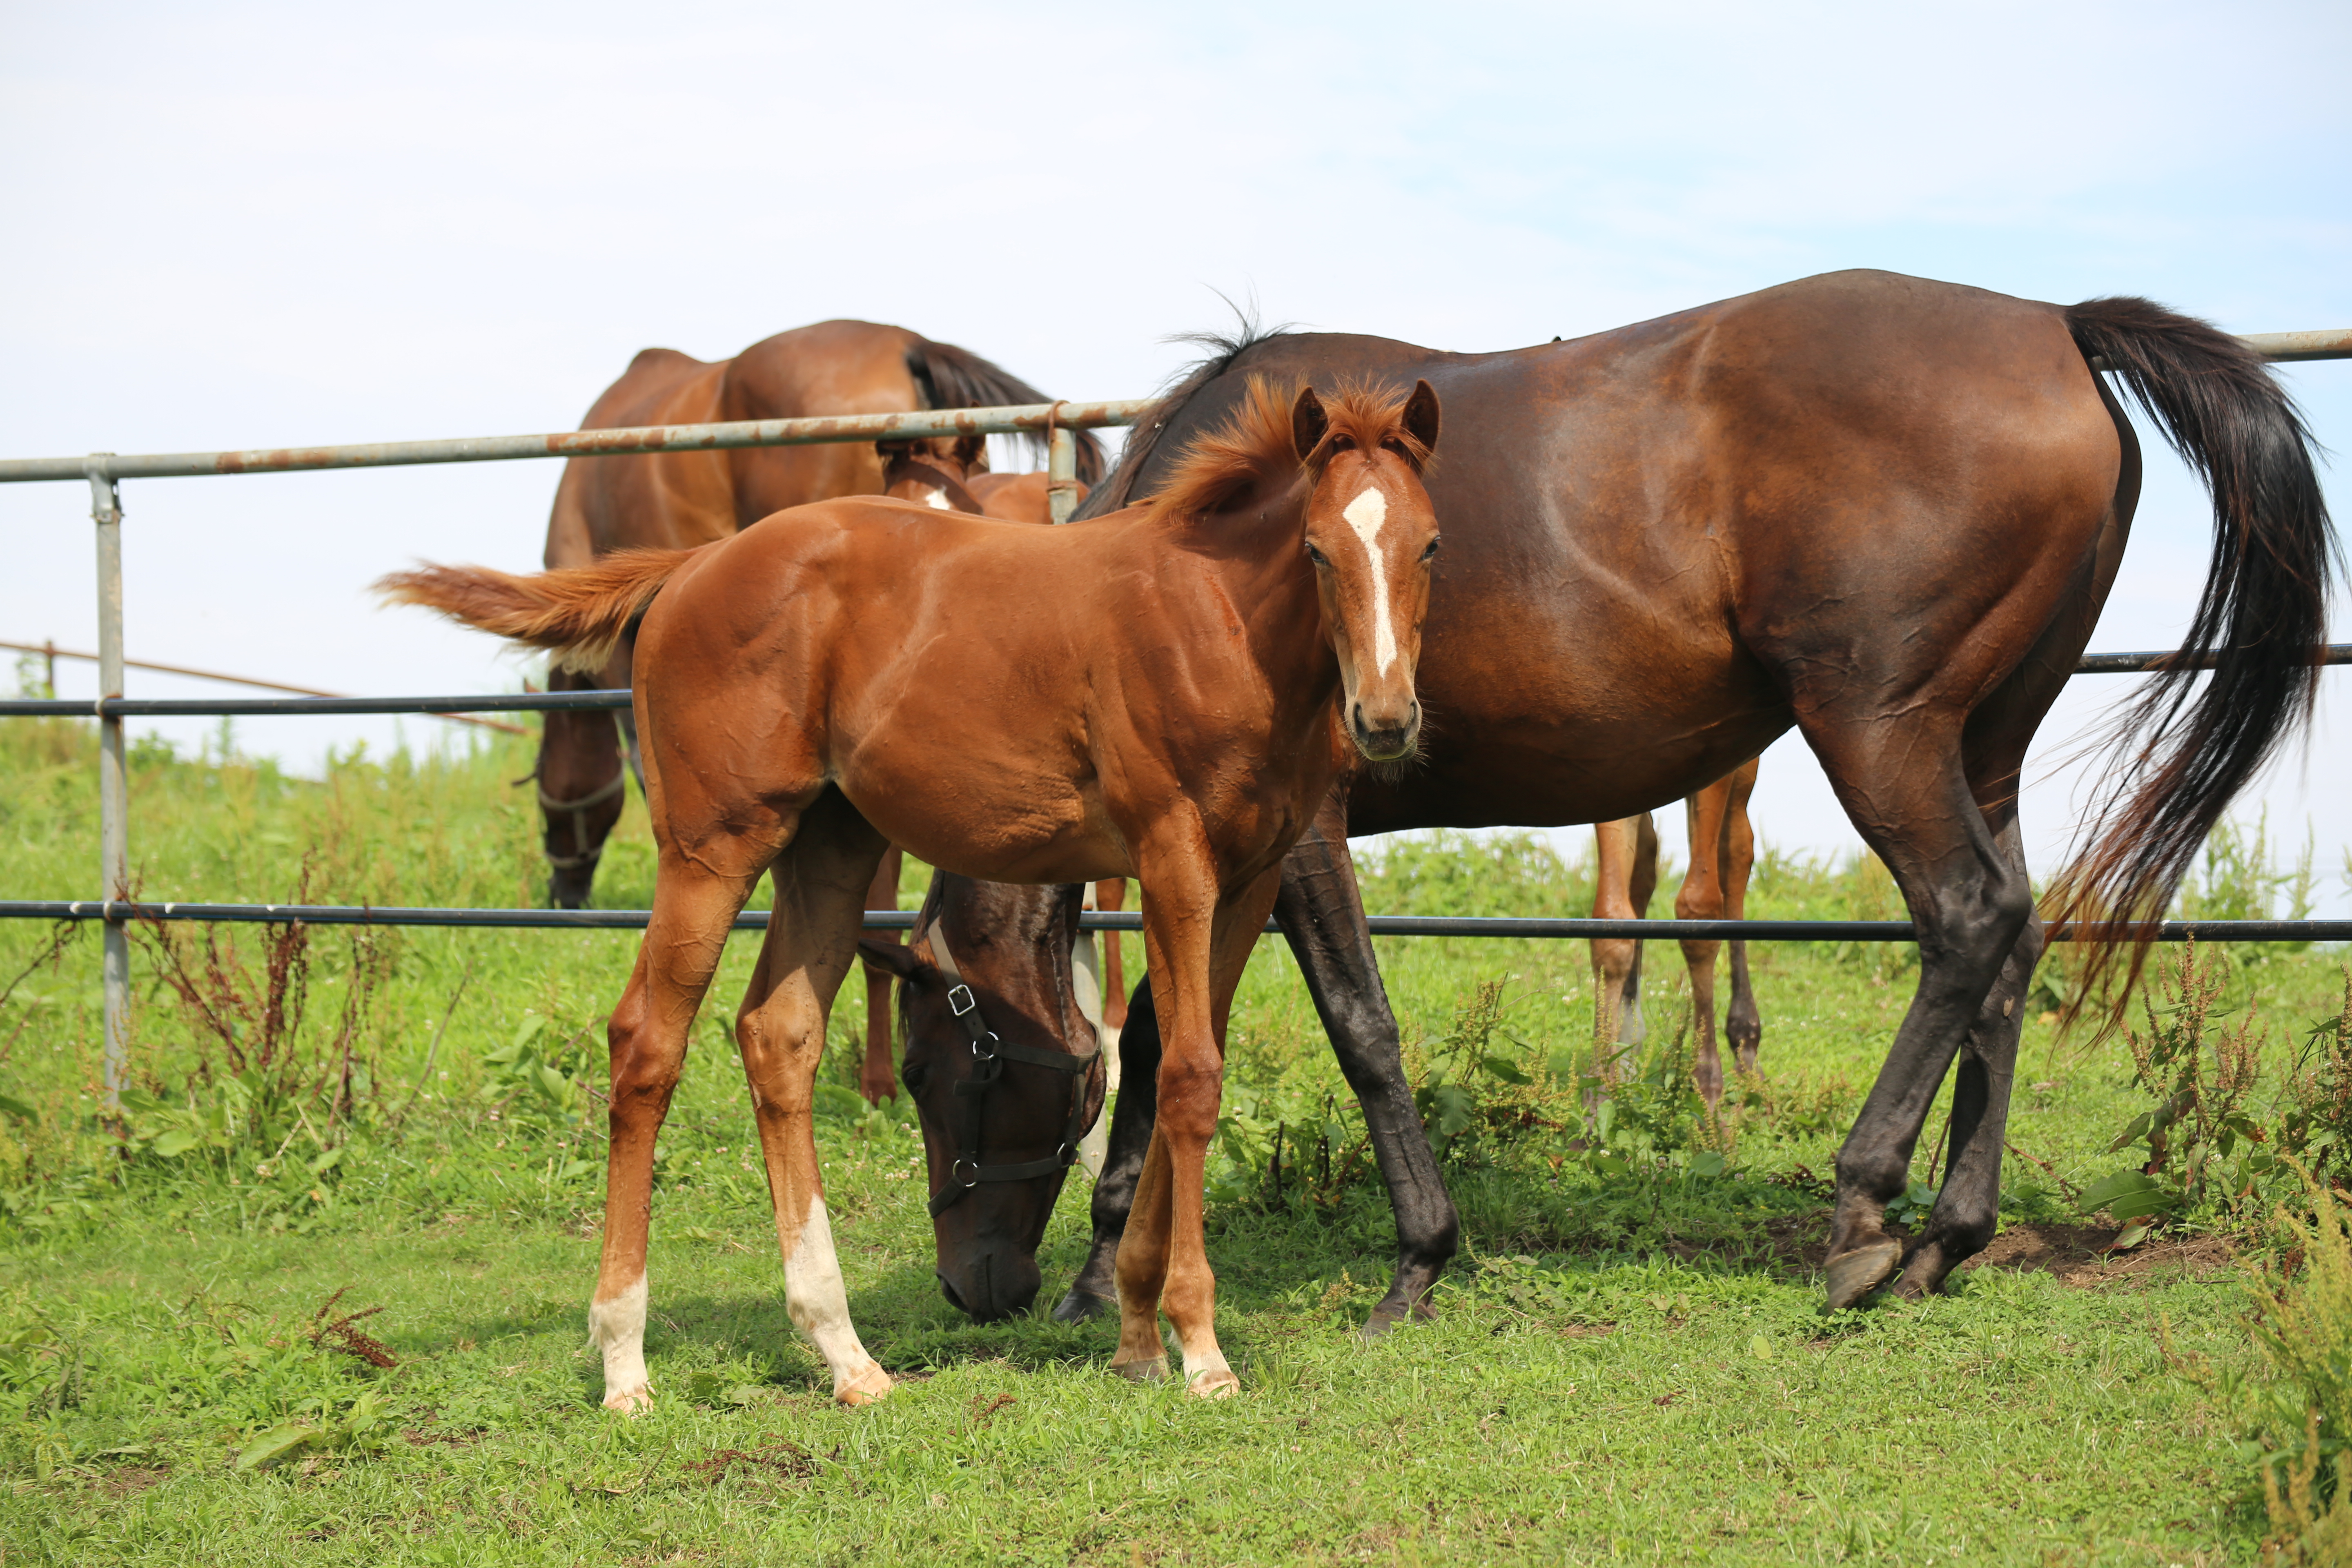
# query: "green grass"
{"type": "Point", "coordinates": [1624, 1368]}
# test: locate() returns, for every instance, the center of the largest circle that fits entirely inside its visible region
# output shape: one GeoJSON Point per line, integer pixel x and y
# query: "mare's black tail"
{"type": "Point", "coordinates": [2188, 748]}
{"type": "Point", "coordinates": [952, 377]}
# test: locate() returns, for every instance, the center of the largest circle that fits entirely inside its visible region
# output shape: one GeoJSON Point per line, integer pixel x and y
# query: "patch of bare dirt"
{"type": "Point", "coordinates": [132, 1480]}
{"type": "Point", "coordinates": [2077, 1255]}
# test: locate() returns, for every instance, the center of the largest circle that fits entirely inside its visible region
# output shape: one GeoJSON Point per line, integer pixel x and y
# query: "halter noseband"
{"type": "Point", "coordinates": [988, 1056]}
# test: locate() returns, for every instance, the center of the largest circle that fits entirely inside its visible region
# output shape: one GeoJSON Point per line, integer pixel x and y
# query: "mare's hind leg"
{"type": "Point", "coordinates": [821, 882]}
{"type": "Point", "coordinates": [876, 1080]}
{"type": "Point", "coordinates": [1743, 1023]}
{"type": "Point", "coordinates": [693, 907]}
{"type": "Point", "coordinates": [1904, 784]}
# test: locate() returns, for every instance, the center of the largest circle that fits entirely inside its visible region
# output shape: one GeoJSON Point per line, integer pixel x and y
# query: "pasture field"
{"type": "Point", "coordinates": [1629, 1362]}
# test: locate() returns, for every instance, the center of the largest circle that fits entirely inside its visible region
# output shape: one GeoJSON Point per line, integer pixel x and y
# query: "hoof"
{"type": "Point", "coordinates": [1080, 1305]}
{"type": "Point", "coordinates": [1388, 1315]}
{"type": "Point", "coordinates": [1217, 1383]}
{"type": "Point", "coordinates": [1152, 1370]}
{"type": "Point", "coordinates": [1853, 1275]}
{"type": "Point", "coordinates": [868, 1387]}
{"type": "Point", "coordinates": [630, 1401]}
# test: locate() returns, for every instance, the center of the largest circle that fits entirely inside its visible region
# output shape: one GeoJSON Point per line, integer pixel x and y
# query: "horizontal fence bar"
{"type": "Point", "coordinates": [1030, 418]}
{"type": "Point", "coordinates": [1132, 920]}
{"type": "Point", "coordinates": [568, 701]}
{"type": "Point", "coordinates": [1020, 420]}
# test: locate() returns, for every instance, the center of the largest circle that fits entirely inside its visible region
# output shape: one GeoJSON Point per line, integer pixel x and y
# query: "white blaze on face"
{"type": "Point", "coordinates": [937, 498]}
{"type": "Point", "coordinates": [1367, 514]}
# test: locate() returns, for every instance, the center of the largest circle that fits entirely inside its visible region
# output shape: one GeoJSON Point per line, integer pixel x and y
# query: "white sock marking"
{"type": "Point", "coordinates": [818, 1300]}
{"type": "Point", "coordinates": [617, 1327]}
{"type": "Point", "coordinates": [1366, 514]}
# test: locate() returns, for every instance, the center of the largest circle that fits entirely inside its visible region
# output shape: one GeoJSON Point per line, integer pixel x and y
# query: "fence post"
{"type": "Point", "coordinates": [1061, 472]}
{"type": "Point", "coordinates": [113, 787]}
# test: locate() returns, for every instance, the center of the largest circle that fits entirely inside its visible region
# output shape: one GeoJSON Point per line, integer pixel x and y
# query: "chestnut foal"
{"type": "Point", "coordinates": [1715, 887]}
{"type": "Point", "coordinates": [1149, 694]}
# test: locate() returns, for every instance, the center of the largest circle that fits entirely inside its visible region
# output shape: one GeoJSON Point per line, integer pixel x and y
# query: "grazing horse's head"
{"type": "Point", "coordinates": [1011, 947]}
{"type": "Point", "coordinates": [1372, 535]}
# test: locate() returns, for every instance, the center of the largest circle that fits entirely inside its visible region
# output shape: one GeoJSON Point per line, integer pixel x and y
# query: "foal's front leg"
{"type": "Point", "coordinates": [821, 885]}
{"type": "Point", "coordinates": [1196, 960]}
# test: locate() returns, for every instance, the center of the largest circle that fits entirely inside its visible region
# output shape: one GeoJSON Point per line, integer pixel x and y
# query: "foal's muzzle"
{"type": "Point", "coordinates": [1384, 740]}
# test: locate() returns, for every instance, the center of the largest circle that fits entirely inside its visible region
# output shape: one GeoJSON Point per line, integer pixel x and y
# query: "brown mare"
{"type": "Point", "coordinates": [1880, 510]}
{"type": "Point", "coordinates": [1150, 694]}
{"type": "Point", "coordinates": [1715, 887]}
{"type": "Point", "coordinates": [676, 500]}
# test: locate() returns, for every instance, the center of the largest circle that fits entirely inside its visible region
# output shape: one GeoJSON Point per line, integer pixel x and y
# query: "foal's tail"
{"type": "Point", "coordinates": [580, 612]}
{"type": "Point", "coordinates": [2189, 749]}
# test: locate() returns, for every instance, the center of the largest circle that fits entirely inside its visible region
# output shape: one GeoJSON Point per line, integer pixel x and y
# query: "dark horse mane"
{"type": "Point", "coordinates": [1255, 446]}
{"type": "Point", "coordinates": [1224, 350]}
{"type": "Point", "coordinates": [952, 377]}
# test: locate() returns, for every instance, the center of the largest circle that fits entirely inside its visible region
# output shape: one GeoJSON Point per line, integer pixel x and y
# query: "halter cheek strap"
{"type": "Point", "coordinates": [988, 1056]}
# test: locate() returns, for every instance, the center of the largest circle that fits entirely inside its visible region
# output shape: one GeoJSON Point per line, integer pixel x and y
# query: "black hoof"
{"type": "Point", "coordinates": [1853, 1275]}
{"type": "Point", "coordinates": [1080, 1305]}
{"type": "Point", "coordinates": [1389, 1314]}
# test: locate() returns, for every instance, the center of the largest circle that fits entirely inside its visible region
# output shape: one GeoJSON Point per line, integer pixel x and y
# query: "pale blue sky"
{"type": "Point", "coordinates": [265, 224]}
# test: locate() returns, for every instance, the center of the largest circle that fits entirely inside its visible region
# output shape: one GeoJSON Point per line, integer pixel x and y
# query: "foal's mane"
{"type": "Point", "coordinates": [1255, 447]}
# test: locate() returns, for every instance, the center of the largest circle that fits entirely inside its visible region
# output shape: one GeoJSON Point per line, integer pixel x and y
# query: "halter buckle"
{"type": "Point", "coordinates": [960, 1164]}
{"type": "Point", "coordinates": [970, 1001]}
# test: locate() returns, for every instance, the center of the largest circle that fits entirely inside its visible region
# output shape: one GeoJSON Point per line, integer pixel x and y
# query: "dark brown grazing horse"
{"type": "Point", "coordinates": [1715, 887]}
{"type": "Point", "coordinates": [1881, 510]}
{"type": "Point", "coordinates": [950, 474]}
{"type": "Point", "coordinates": [676, 500]}
{"type": "Point", "coordinates": [1149, 694]}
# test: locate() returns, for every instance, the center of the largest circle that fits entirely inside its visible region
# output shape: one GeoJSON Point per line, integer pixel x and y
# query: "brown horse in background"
{"type": "Point", "coordinates": [1715, 887]}
{"type": "Point", "coordinates": [677, 499]}
{"type": "Point", "coordinates": [1149, 694]}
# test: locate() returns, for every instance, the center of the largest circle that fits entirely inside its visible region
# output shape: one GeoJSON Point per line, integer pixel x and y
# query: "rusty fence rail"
{"type": "Point", "coordinates": [104, 471]}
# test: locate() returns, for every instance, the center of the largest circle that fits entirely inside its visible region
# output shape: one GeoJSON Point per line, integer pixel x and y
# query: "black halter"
{"type": "Point", "coordinates": [988, 1056]}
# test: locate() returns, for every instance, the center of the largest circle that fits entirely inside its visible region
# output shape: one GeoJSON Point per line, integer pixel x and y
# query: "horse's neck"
{"type": "Point", "coordinates": [1263, 572]}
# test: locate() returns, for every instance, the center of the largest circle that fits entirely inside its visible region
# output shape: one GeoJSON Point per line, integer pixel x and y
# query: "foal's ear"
{"type": "Point", "coordinates": [972, 451]}
{"type": "Point", "coordinates": [1307, 422]}
{"type": "Point", "coordinates": [898, 957]}
{"type": "Point", "coordinates": [1421, 415]}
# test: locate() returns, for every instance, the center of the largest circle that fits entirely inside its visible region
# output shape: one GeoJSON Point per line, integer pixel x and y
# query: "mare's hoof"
{"type": "Point", "coordinates": [868, 1387]}
{"type": "Point", "coordinates": [1853, 1275]}
{"type": "Point", "coordinates": [1217, 1383]}
{"type": "Point", "coordinates": [1152, 1370]}
{"type": "Point", "coordinates": [1389, 1314]}
{"type": "Point", "coordinates": [1080, 1305]}
{"type": "Point", "coordinates": [630, 1401]}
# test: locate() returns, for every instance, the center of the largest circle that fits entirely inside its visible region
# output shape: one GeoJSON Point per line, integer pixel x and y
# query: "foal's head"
{"type": "Point", "coordinates": [1367, 526]}
{"type": "Point", "coordinates": [934, 471]}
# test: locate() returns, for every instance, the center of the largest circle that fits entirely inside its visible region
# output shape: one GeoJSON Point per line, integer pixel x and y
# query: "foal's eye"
{"type": "Point", "coordinates": [1317, 557]}
{"type": "Point", "coordinates": [1429, 553]}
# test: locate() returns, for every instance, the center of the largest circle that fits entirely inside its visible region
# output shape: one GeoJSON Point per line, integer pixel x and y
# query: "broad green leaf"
{"type": "Point", "coordinates": [1508, 1072]}
{"type": "Point", "coordinates": [1707, 1162]}
{"type": "Point", "coordinates": [1759, 1347]}
{"type": "Point", "coordinates": [2131, 1135]}
{"type": "Point", "coordinates": [177, 1142]}
{"type": "Point", "coordinates": [2132, 1235]}
{"type": "Point", "coordinates": [276, 1444]}
{"type": "Point", "coordinates": [329, 1160]}
{"type": "Point", "coordinates": [18, 1109]}
{"type": "Point", "coordinates": [2132, 1206]}
{"type": "Point", "coordinates": [2101, 1194]}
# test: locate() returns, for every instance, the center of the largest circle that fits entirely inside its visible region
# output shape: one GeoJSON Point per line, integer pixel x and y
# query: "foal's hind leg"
{"type": "Point", "coordinates": [821, 883]}
{"type": "Point", "coordinates": [1904, 786]}
{"type": "Point", "coordinates": [1625, 877]}
{"type": "Point", "coordinates": [1702, 898]}
{"type": "Point", "coordinates": [1743, 1024]}
{"type": "Point", "coordinates": [693, 907]}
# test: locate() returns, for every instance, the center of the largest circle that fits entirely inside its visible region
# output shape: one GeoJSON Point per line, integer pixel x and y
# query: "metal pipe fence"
{"type": "Point", "coordinates": [1056, 422]}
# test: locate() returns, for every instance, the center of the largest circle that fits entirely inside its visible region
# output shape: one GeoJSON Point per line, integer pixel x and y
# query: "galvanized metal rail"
{"type": "Point", "coordinates": [573, 701]}
{"type": "Point", "coordinates": [1132, 919]}
{"type": "Point", "coordinates": [105, 470]}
